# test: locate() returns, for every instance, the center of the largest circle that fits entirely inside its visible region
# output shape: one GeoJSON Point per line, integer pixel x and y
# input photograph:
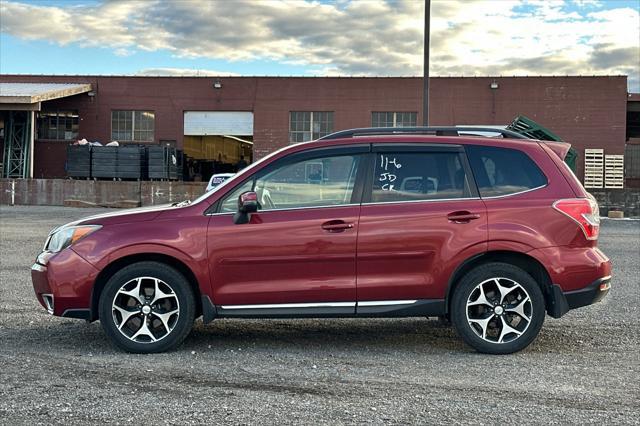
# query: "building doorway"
{"type": "Point", "coordinates": [216, 142]}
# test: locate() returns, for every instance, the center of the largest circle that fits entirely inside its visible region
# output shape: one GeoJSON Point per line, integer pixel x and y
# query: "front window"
{"type": "Point", "coordinates": [394, 119]}
{"type": "Point", "coordinates": [413, 176]}
{"type": "Point", "coordinates": [306, 125]}
{"type": "Point", "coordinates": [58, 125]}
{"type": "Point", "coordinates": [320, 182]}
{"type": "Point", "coordinates": [133, 126]}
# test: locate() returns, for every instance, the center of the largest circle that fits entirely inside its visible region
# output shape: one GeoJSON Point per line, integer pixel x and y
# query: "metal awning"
{"type": "Point", "coordinates": [22, 100]}
{"type": "Point", "coordinates": [27, 96]}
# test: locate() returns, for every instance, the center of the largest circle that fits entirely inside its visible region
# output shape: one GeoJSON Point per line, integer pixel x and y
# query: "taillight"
{"type": "Point", "coordinates": [584, 211]}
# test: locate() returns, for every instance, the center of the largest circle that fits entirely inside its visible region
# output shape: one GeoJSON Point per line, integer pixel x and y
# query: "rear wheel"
{"type": "Point", "coordinates": [498, 308]}
{"type": "Point", "coordinates": [147, 307]}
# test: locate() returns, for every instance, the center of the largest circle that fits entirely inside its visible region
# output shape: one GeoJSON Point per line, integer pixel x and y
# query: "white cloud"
{"type": "Point", "coordinates": [582, 3]}
{"type": "Point", "coordinates": [355, 38]}
{"type": "Point", "coordinates": [183, 72]}
{"type": "Point", "coordinates": [121, 51]}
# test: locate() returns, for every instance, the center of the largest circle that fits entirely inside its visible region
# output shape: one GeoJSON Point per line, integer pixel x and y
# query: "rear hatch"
{"type": "Point", "coordinates": [532, 130]}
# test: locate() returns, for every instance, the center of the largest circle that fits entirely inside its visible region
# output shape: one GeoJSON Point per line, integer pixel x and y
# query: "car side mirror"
{"type": "Point", "coordinates": [247, 204]}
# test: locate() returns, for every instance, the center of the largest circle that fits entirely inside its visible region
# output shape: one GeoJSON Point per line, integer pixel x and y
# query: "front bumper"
{"type": "Point", "coordinates": [63, 284]}
{"type": "Point", "coordinates": [562, 302]}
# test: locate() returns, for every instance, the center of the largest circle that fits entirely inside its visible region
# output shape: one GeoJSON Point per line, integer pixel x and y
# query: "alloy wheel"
{"type": "Point", "coordinates": [145, 309]}
{"type": "Point", "coordinates": [499, 310]}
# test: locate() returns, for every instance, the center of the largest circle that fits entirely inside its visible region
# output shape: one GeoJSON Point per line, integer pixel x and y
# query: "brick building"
{"type": "Point", "coordinates": [194, 113]}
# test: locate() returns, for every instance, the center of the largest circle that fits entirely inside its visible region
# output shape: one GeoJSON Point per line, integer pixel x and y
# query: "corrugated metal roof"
{"type": "Point", "coordinates": [29, 93]}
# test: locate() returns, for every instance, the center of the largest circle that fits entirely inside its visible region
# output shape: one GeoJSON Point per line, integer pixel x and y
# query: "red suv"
{"type": "Point", "coordinates": [492, 233]}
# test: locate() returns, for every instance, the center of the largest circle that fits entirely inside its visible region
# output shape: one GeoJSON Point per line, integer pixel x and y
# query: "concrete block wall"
{"type": "Point", "coordinates": [625, 200]}
{"type": "Point", "coordinates": [90, 193]}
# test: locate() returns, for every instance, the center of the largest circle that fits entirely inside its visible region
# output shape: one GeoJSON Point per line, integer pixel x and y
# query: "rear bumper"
{"type": "Point", "coordinates": [577, 274]}
{"type": "Point", "coordinates": [589, 295]}
{"type": "Point", "coordinates": [562, 302]}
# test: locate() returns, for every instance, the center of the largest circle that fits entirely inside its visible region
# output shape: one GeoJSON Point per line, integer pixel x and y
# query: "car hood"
{"type": "Point", "coordinates": [141, 214]}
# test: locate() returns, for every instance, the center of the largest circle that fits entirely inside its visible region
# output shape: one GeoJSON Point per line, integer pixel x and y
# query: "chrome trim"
{"type": "Point", "coordinates": [515, 193]}
{"type": "Point", "coordinates": [292, 208]}
{"type": "Point", "coordinates": [48, 300]}
{"type": "Point", "coordinates": [386, 302]}
{"type": "Point", "coordinates": [292, 305]}
{"type": "Point", "coordinates": [608, 277]}
{"type": "Point", "coordinates": [321, 305]}
{"type": "Point", "coordinates": [419, 201]}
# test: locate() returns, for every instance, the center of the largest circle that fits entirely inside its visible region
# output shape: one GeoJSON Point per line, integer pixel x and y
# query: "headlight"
{"type": "Point", "coordinates": [64, 237]}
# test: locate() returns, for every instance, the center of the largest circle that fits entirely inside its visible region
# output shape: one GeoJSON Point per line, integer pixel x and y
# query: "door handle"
{"type": "Point", "coordinates": [462, 216]}
{"type": "Point", "coordinates": [336, 226]}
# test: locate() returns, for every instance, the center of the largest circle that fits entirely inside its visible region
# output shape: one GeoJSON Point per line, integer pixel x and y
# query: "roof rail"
{"type": "Point", "coordinates": [437, 131]}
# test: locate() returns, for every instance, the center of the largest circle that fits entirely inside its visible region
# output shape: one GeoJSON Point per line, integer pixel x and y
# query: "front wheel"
{"type": "Point", "coordinates": [147, 307]}
{"type": "Point", "coordinates": [498, 308]}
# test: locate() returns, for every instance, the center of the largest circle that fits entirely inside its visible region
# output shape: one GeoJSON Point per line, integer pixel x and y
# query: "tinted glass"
{"type": "Point", "coordinates": [230, 202]}
{"type": "Point", "coordinates": [503, 171]}
{"type": "Point", "coordinates": [419, 176]}
{"type": "Point", "coordinates": [60, 125]}
{"type": "Point", "coordinates": [319, 182]}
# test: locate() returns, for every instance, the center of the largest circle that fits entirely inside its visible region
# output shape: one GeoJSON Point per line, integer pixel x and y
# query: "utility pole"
{"type": "Point", "coordinates": [427, 31]}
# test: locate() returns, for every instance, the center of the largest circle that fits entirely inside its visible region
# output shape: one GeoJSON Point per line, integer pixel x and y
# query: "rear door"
{"type": "Point", "coordinates": [420, 216]}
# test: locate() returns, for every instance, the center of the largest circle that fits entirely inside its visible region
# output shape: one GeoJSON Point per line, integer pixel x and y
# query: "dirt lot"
{"type": "Point", "coordinates": [583, 368]}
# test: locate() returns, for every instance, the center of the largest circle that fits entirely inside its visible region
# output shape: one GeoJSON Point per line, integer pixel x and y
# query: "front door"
{"type": "Point", "coordinates": [418, 215]}
{"type": "Point", "coordinates": [296, 256]}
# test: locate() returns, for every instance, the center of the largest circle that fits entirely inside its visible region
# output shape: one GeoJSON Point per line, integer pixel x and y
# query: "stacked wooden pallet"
{"type": "Point", "coordinates": [614, 171]}
{"type": "Point", "coordinates": [593, 168]}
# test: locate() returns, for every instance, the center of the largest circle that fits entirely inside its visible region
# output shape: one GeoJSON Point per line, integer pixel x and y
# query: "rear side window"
{"type": "Point", "coordinates": [503, 171]}
{"type": "Point", "coordinates": [413, 176]}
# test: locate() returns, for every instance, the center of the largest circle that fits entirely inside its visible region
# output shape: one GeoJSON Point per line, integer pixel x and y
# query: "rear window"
{"type": "Point", "coordinates": [503, 171]}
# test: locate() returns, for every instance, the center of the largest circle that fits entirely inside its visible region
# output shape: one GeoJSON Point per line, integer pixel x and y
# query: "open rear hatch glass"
{"type": "Point", "coordinates": [532, 130]}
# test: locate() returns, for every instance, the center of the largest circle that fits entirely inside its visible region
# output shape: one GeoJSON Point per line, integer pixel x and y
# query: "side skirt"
{"type": "Point", "coordinates": [416, 308]}
{"type": "Point", "coordinates": [364, 309]}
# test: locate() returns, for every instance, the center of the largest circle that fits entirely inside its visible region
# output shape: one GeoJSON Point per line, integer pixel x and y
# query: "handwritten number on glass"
{"type": "Point", "coordinates": [388, 166]}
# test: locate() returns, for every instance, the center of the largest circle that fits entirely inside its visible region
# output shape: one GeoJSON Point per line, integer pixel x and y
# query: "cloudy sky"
{"type": "Point", "coordinates": [382, 38]}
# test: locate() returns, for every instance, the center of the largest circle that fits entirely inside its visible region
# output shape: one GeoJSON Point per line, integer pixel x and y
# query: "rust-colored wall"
{"type": "Point", "coordinates": [49, 159]}
{"type": "Point", "coordinates": [589, 112]}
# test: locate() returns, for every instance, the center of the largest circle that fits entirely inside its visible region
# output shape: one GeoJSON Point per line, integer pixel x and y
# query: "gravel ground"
{"type": "Point", "coordinates": [583, 368]}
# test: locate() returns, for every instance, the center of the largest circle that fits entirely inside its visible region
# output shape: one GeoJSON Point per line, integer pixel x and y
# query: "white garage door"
{"type": "Point", "coordinates": [200, 123]}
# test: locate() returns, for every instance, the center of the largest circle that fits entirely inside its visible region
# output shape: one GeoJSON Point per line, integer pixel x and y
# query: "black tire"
{"type": "Point", "coordinates": [468, 288]}
{"type": "Point", "coordinates": [181, 291]}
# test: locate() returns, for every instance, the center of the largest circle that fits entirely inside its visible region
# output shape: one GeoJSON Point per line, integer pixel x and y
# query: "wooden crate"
{"type": "Point", "coordinates": [614, 171]}
{"type": "Point", "coordinates": [593, 168]}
